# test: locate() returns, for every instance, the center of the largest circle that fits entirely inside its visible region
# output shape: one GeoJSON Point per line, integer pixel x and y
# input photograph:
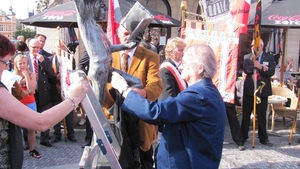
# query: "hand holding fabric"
{"type": "Point", "coordinates": [118, 82]}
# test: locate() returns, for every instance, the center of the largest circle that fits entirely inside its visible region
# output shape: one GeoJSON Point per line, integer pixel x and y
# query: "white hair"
{"type": "Point", "coordinates": [202, 55]}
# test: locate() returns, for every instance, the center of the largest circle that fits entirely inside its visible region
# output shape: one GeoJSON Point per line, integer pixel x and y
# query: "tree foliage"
{"type": "Point", "coordinates": [26, 32]}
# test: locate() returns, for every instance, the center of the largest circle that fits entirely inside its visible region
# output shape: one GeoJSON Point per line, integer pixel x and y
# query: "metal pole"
{"type": "Point", "coordinates": [285, 30]}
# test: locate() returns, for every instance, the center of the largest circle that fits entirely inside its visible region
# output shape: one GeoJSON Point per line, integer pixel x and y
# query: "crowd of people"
{"type": "Point", "coordinates": [35, 98]}
{"type": "Point", "coordinates": [177, 101]}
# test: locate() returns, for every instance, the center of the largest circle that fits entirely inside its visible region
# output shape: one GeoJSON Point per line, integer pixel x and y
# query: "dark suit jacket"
{"type": "Point", "coordinates": [145, 66]}
{"type": "Point", "coordinates": [56, 98]}
{"type": "Point", "coordinates": [44, 86]}
{"type": "Point", "coordinates": [84, 63]}
{"type": "Point", "coordinates": [265, 76]}
{"type": "Point", "coordinates": [45, 53]}
{"type": "Point", "coordinates": [170, 86]}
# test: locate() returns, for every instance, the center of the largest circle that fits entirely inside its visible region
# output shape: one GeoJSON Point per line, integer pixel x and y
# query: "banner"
{"type": "Point", "coordinates": [66, 67]}
{"type": "Point", "coordinates": [224, 41]}
{"type": "Point", "coordinates": [233, 12]}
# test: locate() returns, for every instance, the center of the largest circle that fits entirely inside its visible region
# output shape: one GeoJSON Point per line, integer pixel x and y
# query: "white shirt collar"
{"type": "Point", "coordinates": [130, 53]}
{"type": "Point", "coordinates": [31, 55]}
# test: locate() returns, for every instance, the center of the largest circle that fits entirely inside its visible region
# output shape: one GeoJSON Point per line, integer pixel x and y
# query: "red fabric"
{"type": "Point", "coordinates": [27, 99]}
{"type": "Point", "coordinates": [112, 25]}
{"type": "Point", "coordinates": [240, 13]}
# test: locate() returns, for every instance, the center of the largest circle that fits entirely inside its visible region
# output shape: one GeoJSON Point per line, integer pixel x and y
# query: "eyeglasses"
{"type": "Point", "coordinates": [34, 47]}
{"type": "Point", "coordinates": [6, 63]}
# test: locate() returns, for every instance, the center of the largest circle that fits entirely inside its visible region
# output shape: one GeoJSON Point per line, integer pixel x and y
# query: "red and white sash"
{"type": "Point", "coordinates": [181, 83]}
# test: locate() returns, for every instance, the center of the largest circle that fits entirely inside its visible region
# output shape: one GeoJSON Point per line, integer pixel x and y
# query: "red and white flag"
{"type": "Point", "coordinates": [113, 24]}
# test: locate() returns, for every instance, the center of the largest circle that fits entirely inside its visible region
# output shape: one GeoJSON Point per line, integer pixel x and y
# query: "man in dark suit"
{"type": "Point", "coordinates": [265, 66]}
{"type": "Point", "coordinates": [56, 96]}
{"type": "Point", "coordinates": [43, 91]}
{"type": "Point", "coordinates": [143, 64]}
{"type": "Point", "coordinates": [169, 72]}
{"type": "Point", "coordinates": [42, 39]}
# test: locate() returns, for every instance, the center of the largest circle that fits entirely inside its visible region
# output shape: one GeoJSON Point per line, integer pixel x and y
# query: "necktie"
{"type": "Point", "coordinates": [36, 67]}
{"type": "Point", "coordinates": [124, 65]}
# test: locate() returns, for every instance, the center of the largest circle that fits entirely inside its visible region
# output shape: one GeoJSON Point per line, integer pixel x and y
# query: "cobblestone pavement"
{"type": "Point", "coordinates": [280, 156]}
{"type": "Point", "coordinates": [66, 155]}
{"type": "Point", "coordinates": [63, 155]}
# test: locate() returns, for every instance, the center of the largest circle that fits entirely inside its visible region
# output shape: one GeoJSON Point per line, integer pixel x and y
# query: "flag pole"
{"type": "Point", "coordinates": [183, 7]}
{"type": "Point", "coordinates": [285, 29]}
{"type": "Point", "coordinates": [256, 47]}
{"type": "Point", "coordinates": [59, 51]}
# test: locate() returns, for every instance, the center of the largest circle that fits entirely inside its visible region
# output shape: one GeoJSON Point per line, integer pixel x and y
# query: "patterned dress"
{"type": "Point", "coordinates": [4, 146]}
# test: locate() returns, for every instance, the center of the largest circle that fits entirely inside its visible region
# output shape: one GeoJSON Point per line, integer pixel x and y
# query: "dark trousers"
{"type": "Point", "coordinates": [88, 130]}
{"type": "Point", "coordinates": [25, 134]}
{"type": "Point", "coordinates": [235, 128]}
{"type": "Point", "coordinates": [44, 135]}
{"type": "Point", "coordinates": [261, 110]}
{"type": "Point", "coordinates": [69, 125]}
{"type": "Point", "coordinates": [146, 158]}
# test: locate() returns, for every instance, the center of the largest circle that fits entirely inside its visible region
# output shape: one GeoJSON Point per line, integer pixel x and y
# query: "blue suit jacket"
{"type": "Point", "coordinates": [194, 124]}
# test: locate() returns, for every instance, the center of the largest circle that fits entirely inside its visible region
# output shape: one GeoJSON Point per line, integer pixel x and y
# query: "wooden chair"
{"type": "Point", "coordinates": [283, 111]}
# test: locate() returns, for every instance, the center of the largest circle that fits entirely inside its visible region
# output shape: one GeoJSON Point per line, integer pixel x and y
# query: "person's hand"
{"type": "Point", "coordinates": [58, 76]}
{"type": "Point", "coordinates": [141, 92]}
{"type": "Point", "coordinates": [265, 68]}
{"type": "Point", "coordinates": [79, 90]}
{"type": "Point", "coordinates": [25, 73]}
{"type": "Point", "coordinates": [118, 82]}
{"type": "Point", "coordinates": [257, 65]}
{"type": "Point", "coordinates": [40, 57]}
